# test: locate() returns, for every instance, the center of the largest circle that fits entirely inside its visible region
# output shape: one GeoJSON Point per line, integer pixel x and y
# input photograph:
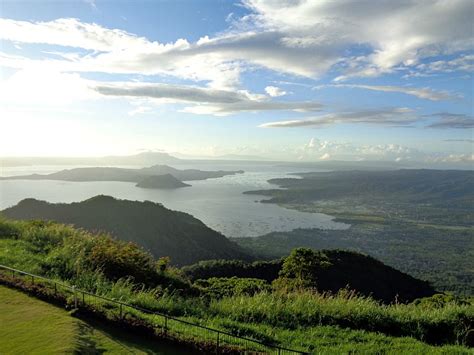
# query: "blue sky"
{"type": "Point", "coordinates": [293, 80]}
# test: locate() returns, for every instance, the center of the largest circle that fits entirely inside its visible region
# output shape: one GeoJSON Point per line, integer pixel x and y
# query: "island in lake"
{"type": "Point", "coordinates": [166, 181]}
{"type": "Point", "coordinates": [156, 176]}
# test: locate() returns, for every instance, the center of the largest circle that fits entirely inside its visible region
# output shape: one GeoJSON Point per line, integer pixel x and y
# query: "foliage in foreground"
{"type": "Point", "coordinates": [284, 317]}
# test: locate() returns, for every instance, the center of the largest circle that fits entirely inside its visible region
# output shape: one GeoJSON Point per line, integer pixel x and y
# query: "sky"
{"type": "Point", "coordinates": [283, 79]}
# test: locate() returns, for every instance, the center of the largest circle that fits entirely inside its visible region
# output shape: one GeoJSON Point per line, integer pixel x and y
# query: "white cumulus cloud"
{"type": "Point", "coordinates": [274, 91]}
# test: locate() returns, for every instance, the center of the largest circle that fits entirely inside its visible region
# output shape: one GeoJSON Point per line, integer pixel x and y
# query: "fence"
{"type": "Point", "coordinates": [170, 326]}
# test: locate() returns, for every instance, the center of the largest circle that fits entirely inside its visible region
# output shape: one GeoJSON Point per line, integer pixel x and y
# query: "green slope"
{"type": "Point", "coordinates": [159, 230]}
{"type": "Point", "coordinates": [31, 326]}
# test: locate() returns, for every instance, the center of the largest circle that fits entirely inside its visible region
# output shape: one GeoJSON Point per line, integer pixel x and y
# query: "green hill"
{"type": "Point", "coordinates": [344, 269]}
{"type": "Point", "coordinates": [161, 231]}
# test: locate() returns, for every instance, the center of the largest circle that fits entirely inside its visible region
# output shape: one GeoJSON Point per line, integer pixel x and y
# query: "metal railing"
{"type": "Point", "coordinates": [171, 326]}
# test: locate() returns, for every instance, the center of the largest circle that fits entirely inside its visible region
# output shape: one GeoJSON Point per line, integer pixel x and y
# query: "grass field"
{"type": "Point", "coordinates": [31, 326]}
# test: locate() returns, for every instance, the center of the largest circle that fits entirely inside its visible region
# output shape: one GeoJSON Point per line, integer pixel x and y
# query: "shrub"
{"type": "Point", "coordinates": [218, 287]}
{"type": "Point", "coordinates": [10, 229]}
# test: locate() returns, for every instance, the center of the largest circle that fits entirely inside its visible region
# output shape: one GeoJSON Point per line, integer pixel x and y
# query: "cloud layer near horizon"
{"type": "Point", "coordinates": [399, 117]}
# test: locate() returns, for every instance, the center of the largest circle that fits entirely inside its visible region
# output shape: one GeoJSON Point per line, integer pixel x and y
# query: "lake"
{"type": "Point", "coordinates": [219, 203]}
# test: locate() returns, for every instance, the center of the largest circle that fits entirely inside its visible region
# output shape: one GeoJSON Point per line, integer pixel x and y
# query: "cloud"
{"type": "Point", "coordinates": [316, 150]}
{"type": "Point", "coordinates": [70, 32]}
{"type": "Point", "coordinates": [390, 117]}
{"type": "Point", "coordinates": [422, 93]}
{"type": "Point", "coordinates": [399, 117]}
{"type": "Point", "coordinates": [325, 156]}
{"type": "Point", "coordinates": [319, 149]}
{"type": "Point", "coordinates": [175, 92]}
{"type": "Point", "coordinates": [274, 91]}
{"type": "Point", "coordinates": [117, 52]}
{"type": "Point", "coordinates": [302, 38]}
{"type": "Point", "coordinates": [91, 3]}
{"type": "Point", "coordinates": [462, 63]}
{"type": "Point", "coordinates": [393, 33]}
{"type": "Point", "coordinates": [460, 140]}
{"type": "Point", "coordinates": [205, 100]}
{"type": "Point", "coordinates": [451, 120]}
{"type": "Point", "coordinates": [451, 158]}
{"type": "Point", "coordinates": [43, 87]}
{"type": "Point", "coordinates": [140, 110]}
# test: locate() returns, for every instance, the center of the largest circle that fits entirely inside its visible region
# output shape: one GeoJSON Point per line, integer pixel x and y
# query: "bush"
{"type": "Point", "coordinates": [10, 229]}
{"type": "Point", "coordinates": [117, 259]}
{"type": "Point", "coordinates": [218, 287]}
{"type": "Point", "coordinates": [265, 270]}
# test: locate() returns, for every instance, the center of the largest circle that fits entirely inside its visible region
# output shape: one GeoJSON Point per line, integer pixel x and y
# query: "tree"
{"type": "Point", "coordinates": [300, 269]}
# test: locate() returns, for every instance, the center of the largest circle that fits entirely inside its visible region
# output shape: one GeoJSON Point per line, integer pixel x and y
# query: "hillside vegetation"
{"type": "Point", "coordinates": [290, 311]}
{"type": "Point", "coordinates": [441, 197]}
{"type": "Point", "coordinates": [325, 270]}
{"type": "Point", "coordinates": [453, 188]}
{"type": "Point", "coordinates": [161, 231]}
{"type": "Point", "coordinates": [443, 257]}
{"type": "Point", "coordinates": [418, 221]}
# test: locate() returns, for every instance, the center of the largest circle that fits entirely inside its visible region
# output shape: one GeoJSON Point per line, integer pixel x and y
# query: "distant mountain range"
{"type": "Point", "coordinates": [141, 159]}
{"type": "Point", "coordinates": [161, 231]}
{"type": "Point", "coordinates": [127, 175]}
{"type": "Point", "coordinates": [153, 158]}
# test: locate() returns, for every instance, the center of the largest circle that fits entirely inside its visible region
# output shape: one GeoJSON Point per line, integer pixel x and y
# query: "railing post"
{"type": "Point", "coordinates": [32, 279]}
{"type": "Point", "coordinates": [83, 299]}
{"type": "Point", "coordinates": [75, 296]}
{"type": "Point", "coordinates": [166, 324]}
{"type": "Point", "coordinates": [120, 311]}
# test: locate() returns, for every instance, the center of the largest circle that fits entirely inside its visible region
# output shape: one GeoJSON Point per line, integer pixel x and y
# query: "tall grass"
{"type": "Point", "coordinates": [448, 324]}
{"type": "Point", "coordinates": [297, 311]}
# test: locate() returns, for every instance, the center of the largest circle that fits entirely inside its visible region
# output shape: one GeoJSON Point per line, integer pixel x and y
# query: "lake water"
{"type": "Point", "coordinates": [219, 203]}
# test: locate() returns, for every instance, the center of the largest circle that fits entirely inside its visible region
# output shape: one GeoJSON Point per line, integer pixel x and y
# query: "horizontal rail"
{"type": "Point", "coordinates": [148, 311]}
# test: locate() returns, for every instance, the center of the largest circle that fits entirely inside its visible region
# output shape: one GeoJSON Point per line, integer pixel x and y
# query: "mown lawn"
{"type": "Point", "coordinates": [31, 326]}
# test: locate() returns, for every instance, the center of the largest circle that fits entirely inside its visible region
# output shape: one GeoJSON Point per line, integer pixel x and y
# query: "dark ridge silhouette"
{"type": "Point", "coordinates": [126, 175]}
{"type": "Point", "coordinates": [166, 181]}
